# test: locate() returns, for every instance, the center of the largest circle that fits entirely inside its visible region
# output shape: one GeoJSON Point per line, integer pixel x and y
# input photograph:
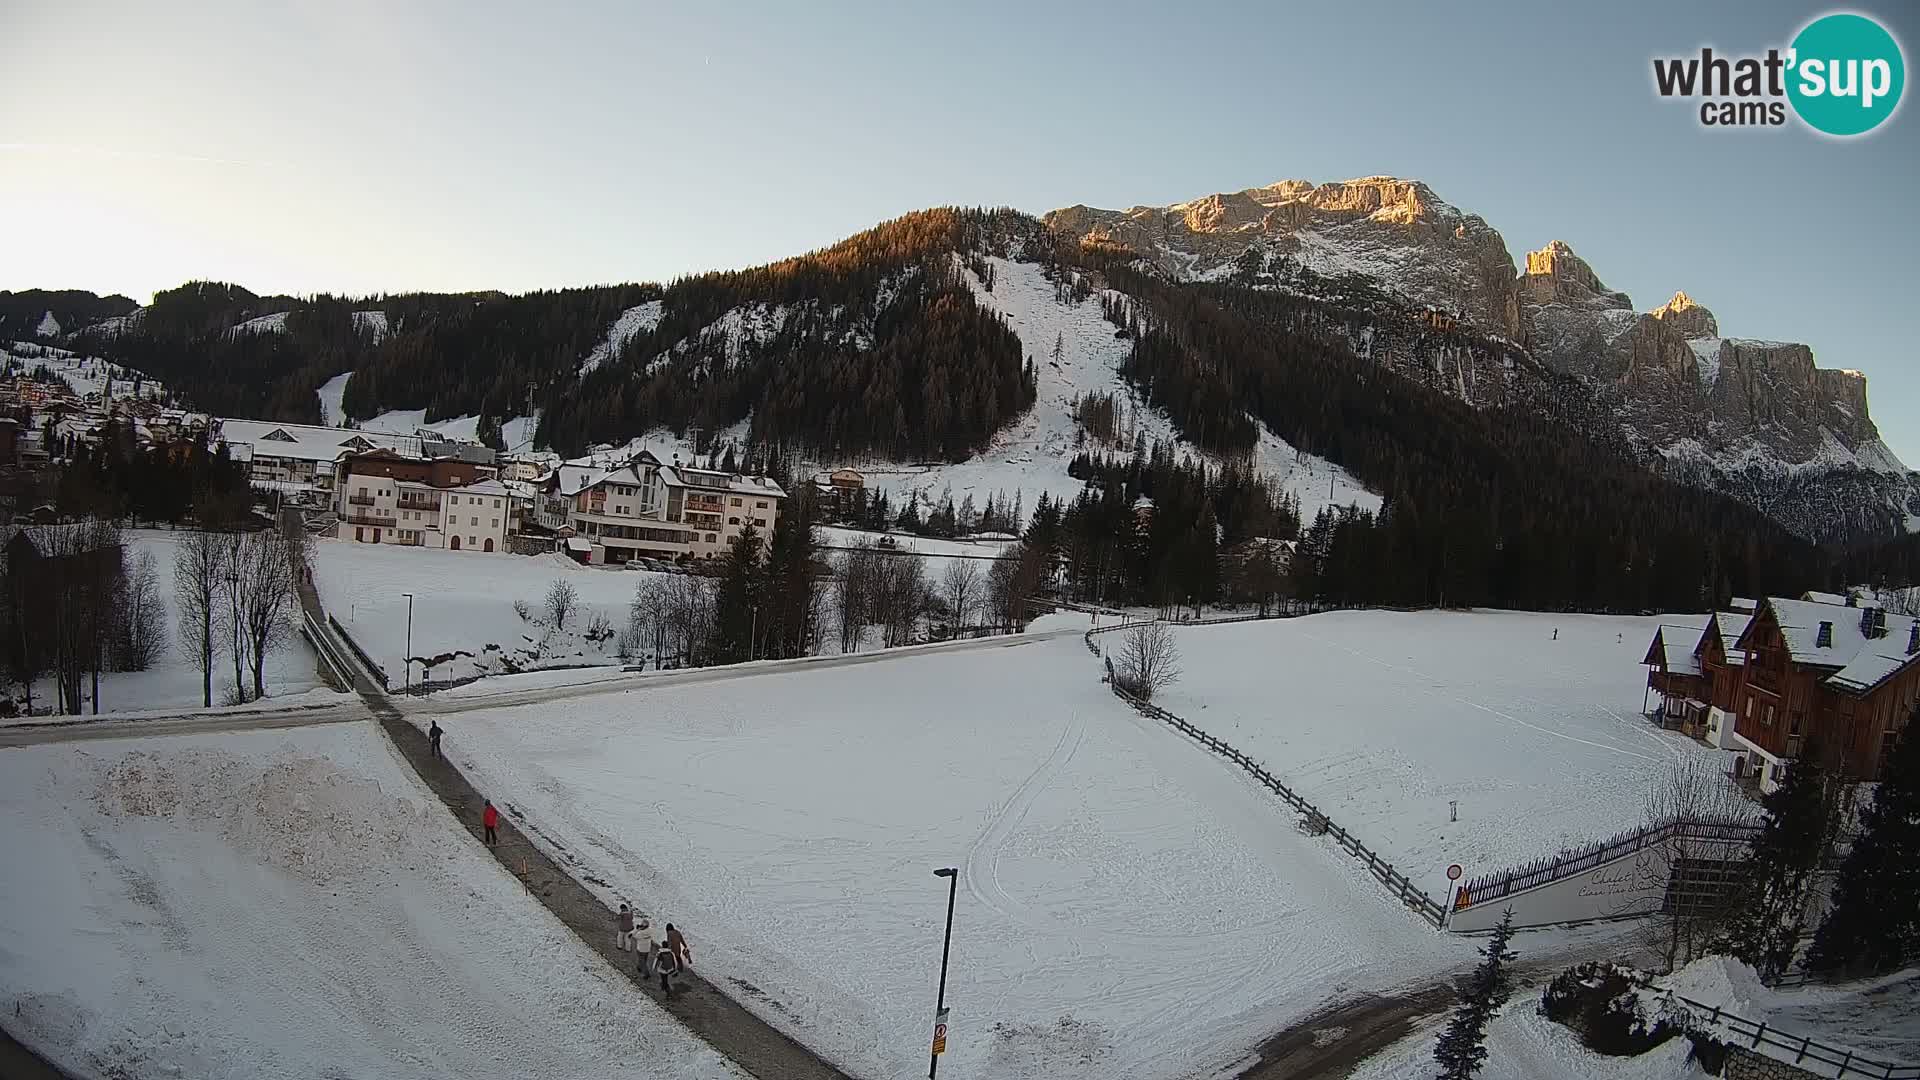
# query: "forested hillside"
{"type": "Point", "coordinates": [1501, 482]}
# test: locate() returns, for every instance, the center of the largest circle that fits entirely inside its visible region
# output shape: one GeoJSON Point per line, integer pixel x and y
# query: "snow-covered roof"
{"type": "Point", "coordinates": [1875, 663]}
{"type": "Point", "coordinates": [1730, 625]}
{"type": "Point", "coordinates": [1812, 597]}
{"type": "Point", "coordinates": [1676, 646]}
{"type": "Point", "coordinates": [579, 543]}
{"type": "Point", "coordinates": [711, 480]}
{"type": "Point", "coordinates": [482, 487]}
{"type": "Point", "coordinates": [1741, 603]}
{"type": "Point", "coordinates": [308, 442]}
{"type": "Point", "coordinates": [1800, 622]}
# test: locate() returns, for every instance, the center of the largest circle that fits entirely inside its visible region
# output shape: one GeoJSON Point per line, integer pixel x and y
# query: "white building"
{"type": "Point", "coordinates": [644, 509]}
{"type": "Point", "coordinates": [300, 455]}
{"type": "Point", "coordinates": [388, 499]}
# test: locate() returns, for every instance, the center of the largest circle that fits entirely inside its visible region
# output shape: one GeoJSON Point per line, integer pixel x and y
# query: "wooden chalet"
{"type": "Point", "coordinates": [1822, 671]}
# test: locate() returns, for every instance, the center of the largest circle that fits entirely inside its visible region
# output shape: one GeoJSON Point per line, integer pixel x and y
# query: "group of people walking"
{"type": "Point", "coordinates": [667, 956]}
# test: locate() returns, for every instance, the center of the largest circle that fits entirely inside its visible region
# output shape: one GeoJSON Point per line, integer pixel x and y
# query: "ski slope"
{"type": "Point", "coordinates": [1127, 906]}
{"type": "Point", "coordinates": [1385, 718]}
{"type": "Point", "coordinates": [1031, 454]}
{"type": "Point", "coordinates": [290, 905]}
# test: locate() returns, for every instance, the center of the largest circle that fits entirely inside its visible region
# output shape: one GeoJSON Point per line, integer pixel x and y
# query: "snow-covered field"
{"type": "Point", "coordinates": [1384, 718]}
{"type": "Point", "coordinates": [463, 604]}
{"type": "Point", "coordinates": [289, 904]}
{"type": "Point", "coordinates": [174, 681]}
{"type": "Point", "coordinates": [1127, 905]}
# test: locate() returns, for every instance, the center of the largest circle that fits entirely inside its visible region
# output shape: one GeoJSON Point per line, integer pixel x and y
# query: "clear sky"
{"type": "Point", "coordinates": [334, 145]}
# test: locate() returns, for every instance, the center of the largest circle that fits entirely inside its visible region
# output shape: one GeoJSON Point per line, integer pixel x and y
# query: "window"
{"type": "Point", "coordinates": [496, 504]}
{"type": "Point", "coordinates": [735, 502]}
{"type": "Point", "coordinates": [471, 540]}
{"type": "Point", "coordinates": [762, 522]}
{"type": "Point", "coordinates": [1768, 720]}
{"type": "Point", "coordinates": [496, 523]}
{"type": "Point", "coordinates": [733, 521]}
{"type": "Point", "coordinates": [473, 521]}
{"type": "Point", "coordinates": [760, 504]}
{"type": "Point", "coordinates": [711, 538]}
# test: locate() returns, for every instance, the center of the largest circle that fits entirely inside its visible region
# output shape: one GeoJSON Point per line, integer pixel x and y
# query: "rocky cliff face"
{"type": "Point", "coordinates": [1395, 231]}
{"type": "Point", "coordinates": [1755, 418]}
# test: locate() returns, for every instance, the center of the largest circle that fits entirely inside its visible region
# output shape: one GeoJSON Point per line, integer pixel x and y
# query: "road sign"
{"type": "Point", "coordinates": [940, 1032]}
{"type": "Point", "coordinates": [1454, 872]}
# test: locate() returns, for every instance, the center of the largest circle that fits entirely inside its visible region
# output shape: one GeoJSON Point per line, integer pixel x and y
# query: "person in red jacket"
{"type": "Point", "coordinates": [490, 820]}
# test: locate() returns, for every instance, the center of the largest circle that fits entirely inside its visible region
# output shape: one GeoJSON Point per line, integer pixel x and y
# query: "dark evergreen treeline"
{"type": "Point", "coordinates": [1158, 529]}
{"type": "Point", "coordinates": [1509, 507]}
{"type": "Point", "coordinates": [21, 312]}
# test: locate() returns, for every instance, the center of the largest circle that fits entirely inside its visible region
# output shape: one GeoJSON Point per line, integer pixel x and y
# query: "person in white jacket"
{"type": "Point", "coordinates": [646, 941]}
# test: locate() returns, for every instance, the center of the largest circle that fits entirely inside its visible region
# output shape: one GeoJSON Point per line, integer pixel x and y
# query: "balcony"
{"type": "Point", "coordinates": [1764, 678]}
{"type": "Point", "coordinates": [360, 500]}
{"type": "Point", "coordinates": [419, 504]}
{"type": "Point", "coordinates": [386, 522]}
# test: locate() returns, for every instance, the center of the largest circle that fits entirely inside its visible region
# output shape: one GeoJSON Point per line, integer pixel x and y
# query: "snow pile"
{"type": "Point", "coordinates": [1386, 719]}
{"type": "Point", "coordinates": [1523, 1045]}
{"type": "Point", "coordinates": [641, 319]}
{"type": "Point", "coordinates": [1127, 907]}
{"type": "Point", "coordinates": [1876, 1018]}
{"type": "Point", "coordinates": [290, 905]}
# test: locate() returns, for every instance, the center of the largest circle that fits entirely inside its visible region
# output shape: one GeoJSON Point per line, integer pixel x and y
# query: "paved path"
{"type": "Point", "coordinates": [723, 1023]}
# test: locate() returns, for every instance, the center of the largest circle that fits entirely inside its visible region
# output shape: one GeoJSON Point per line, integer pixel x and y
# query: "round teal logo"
{"type": "Point", "coordinates": [1846, 74]}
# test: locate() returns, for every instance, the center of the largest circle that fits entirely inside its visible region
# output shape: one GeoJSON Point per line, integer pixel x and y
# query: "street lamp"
{"type": "Point", "coordinates": [409, 657]}
{"type": "Point", "coordinates": [952, 874]}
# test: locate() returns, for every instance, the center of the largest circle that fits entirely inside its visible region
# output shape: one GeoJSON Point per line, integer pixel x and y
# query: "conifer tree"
{"type": "Point", "coordinates": [1462, 1048]}
{"type": "Point", "coordinates": [1874, 924]}
{"type": "Point", "coordinates": [737, 600]}
{"type": "Point", "coordinates": [1785, 857]}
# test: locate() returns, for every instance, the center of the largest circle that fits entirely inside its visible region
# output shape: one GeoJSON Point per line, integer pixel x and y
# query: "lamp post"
{"type": "Point", "coordinates": [409, 657]}
{"type": "Point", "coordinates": [952, 874]}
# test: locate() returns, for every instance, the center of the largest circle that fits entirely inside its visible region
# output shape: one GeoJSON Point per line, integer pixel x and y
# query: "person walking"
{"type": "Point", "coordinates": [645, 945]}
{"type": "Point", "coordinates": [623, 937]}
{"type": "Point", "coordinates": [490, 821]}
{"type": "Point", "coordinates": [668, 965]}
{"type": "Point", "coordinates": [677, 943]}
{"type": "Point", "coordinates": [434, 731]}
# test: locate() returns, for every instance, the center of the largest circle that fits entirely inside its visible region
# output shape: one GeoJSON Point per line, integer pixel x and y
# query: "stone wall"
{"type": "Point", "coordinates": [1744, 1064]}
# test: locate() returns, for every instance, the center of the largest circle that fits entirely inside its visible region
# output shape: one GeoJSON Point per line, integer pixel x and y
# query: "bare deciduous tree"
{"type": "Point", "coordinates": [1149, 661]}
{"type": "Point", "coordinates": [199, 571]}
{"type": "Point", "coordinates": [1695, 875]}
{"type": "Point", "coordinates": [960, 588]}
{"type": "Point", "coordinates": [143, 619]}
{"type": "Point", "coordinates": [263, 569]}
{"type": "Point", "coordinates": [562, 598]}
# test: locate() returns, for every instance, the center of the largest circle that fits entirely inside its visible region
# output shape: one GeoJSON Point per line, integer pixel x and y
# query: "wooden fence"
{"type": "Point", "coordinates": [1317, 822]}
{"type": "Point", "coordinates": [1505, 883]}
{"type": "Point", "coordinates": [1755, 1035]}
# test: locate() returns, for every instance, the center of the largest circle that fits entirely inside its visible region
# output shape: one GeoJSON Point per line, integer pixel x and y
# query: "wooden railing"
{"type": "Point", "coordinates": [1805, 1051]}
{"type": "Point", "coordinates": [1505, 883]}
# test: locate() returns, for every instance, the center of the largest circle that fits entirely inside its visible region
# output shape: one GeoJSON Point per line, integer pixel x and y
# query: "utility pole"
{"type": "Point", "coordinates": [952, 874]}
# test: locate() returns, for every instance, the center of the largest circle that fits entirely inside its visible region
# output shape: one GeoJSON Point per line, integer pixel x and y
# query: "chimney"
{"type": "Point", "coordinates": [1824, 639]}
{"type": "Point", "coordinates": [1873, 622]}
{"type": "Point", "coordinates": [1852, 599]}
